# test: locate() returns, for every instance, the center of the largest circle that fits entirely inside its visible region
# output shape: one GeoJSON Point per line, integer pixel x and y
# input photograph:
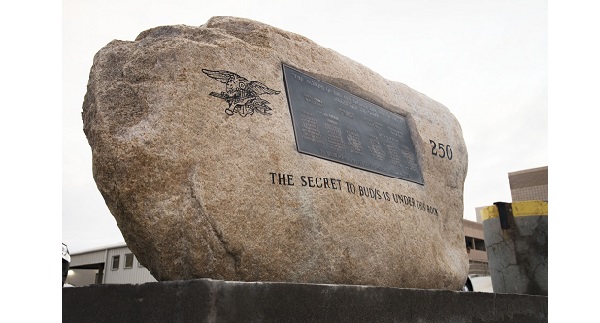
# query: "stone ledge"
{"type": "Point", "coordinates": [206, 300]}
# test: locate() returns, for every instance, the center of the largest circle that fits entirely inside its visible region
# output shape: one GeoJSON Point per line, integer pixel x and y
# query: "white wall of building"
{"type": "Point", "coordinates": [123, 272]}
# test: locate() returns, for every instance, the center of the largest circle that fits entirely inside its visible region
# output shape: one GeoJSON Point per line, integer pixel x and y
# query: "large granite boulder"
{"type": "Point", "coordinates": [239, 151]}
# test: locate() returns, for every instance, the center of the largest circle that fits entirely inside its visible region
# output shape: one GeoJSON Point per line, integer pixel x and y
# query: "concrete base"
{"type": "Point", "coordinates": [206, 300]}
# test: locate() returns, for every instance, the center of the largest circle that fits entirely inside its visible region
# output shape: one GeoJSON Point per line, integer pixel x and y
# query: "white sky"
{"type": "Point", "coordinates": [485, 60]}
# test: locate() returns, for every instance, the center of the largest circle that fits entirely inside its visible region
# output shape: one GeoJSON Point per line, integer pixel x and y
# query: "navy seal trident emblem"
{"type": "Point", "coordinates": [241, 95]}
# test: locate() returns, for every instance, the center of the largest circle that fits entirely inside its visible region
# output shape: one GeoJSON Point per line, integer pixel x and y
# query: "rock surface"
{"type": "Point", "coordinates": [195, 154]}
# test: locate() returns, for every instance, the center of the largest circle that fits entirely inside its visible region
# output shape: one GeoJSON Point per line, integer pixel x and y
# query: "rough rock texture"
{"type": "Point", "coordinates": [185, 163]}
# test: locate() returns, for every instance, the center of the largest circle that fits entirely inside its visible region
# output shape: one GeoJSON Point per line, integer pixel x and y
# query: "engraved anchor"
{"type": "Point", "coordinates": [242, 95]}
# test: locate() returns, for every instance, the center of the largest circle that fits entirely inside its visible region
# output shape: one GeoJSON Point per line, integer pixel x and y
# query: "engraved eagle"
{"type": "Point", "coordinates": [242, 95]}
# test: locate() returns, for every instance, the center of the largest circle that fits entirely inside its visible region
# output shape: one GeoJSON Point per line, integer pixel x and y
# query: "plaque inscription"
{"type": "Point", "coordinates": [333, 124]}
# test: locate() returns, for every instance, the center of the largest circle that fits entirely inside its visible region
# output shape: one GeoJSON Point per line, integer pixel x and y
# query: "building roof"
{"type": "Point", "coordinates": [111, 246]}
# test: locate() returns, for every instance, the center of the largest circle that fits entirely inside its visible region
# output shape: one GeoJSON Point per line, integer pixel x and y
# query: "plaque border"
{"type": "Point", "coordinates": [420, 172]}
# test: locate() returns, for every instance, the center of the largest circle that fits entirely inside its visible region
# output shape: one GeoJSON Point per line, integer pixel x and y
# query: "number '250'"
{"type": "Point", "coordinates": [441, 150]}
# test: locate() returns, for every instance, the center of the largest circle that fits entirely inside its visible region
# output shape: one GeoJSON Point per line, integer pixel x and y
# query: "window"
{"type": "Point", "coordinates": [479, 244]}
{"type": "Point", "coordinates": [128, 260]}
{"type": "Point", "coordinates": [115, 262]}
{"type": "Point", "coordinates": [469, 242]}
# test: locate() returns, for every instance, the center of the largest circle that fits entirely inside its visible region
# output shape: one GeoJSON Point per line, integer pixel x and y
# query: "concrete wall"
{"type": "Point", "coordinates": [206, 300]}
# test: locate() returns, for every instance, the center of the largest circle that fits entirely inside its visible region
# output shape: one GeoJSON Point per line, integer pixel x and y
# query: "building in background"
{"type": "Point", "coordinates": [114, 264]}
{"type": "Point", "coordinates": [478, 262]}
{"type": "Point", "coordinates": [529, 185]}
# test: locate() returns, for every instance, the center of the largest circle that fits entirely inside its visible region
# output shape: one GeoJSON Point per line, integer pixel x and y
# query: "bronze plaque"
{"type": "Point", "coordinates": [336, 125]}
